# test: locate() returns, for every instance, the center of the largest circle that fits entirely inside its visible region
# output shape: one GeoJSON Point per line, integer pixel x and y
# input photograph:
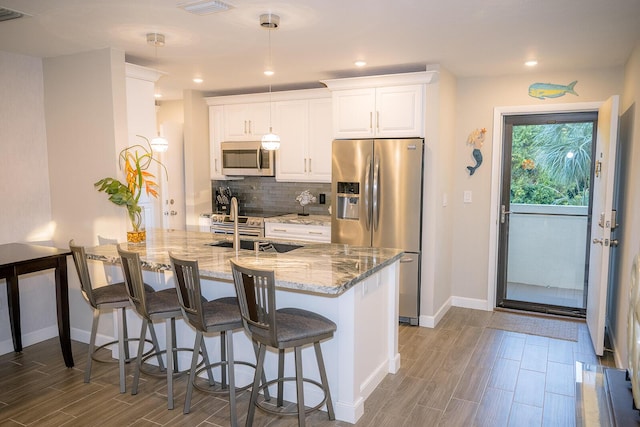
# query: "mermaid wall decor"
{"type": "Point", "coordinates": [476, 138]}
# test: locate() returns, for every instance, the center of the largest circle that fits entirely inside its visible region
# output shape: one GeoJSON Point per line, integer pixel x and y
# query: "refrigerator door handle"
{"type": "Point", "coordinates": [367, 181]}
{"type": "Point", "coordinates": [376, 193]}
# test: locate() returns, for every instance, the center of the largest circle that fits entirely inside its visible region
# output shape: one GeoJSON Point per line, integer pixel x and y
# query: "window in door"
{"type": "Point", "coordinates": [545, 212]}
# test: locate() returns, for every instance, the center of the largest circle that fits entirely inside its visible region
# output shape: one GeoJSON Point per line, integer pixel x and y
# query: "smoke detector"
{"type": "Point", "coordinates": [155, 39]}
{"type": "Point", "coordinates": [204, 7]}
{"type": "Point", "coordinates": [269, 21]}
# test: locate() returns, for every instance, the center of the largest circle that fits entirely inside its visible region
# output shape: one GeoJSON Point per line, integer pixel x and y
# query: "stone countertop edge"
{"type": "Point", "coordinates": [318, 268]}
{"type": "Point", "coordinates": [324, 220]}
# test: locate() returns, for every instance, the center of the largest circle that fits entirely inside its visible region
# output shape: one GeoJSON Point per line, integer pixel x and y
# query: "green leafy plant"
{"type": "Point", "coordinates": [135, 161]}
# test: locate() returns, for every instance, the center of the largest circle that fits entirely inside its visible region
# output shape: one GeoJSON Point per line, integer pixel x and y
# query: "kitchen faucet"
{"type": "Point", "coordinates": [233, 213]}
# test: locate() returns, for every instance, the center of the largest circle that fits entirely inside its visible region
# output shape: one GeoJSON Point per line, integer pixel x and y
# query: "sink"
{"type": "Point", "coordinates": [264, 246]}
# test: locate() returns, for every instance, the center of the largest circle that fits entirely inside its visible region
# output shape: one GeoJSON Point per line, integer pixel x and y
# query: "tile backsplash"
{"type": "Point", "coordinates": [264, 193]}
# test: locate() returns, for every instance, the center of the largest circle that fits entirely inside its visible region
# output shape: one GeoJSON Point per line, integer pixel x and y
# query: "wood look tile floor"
{"type": "Point", "coordinates": [460, 373]}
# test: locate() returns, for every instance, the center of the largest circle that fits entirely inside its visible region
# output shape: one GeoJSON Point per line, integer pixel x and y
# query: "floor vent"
{"type": "Point", "coordinates": [8, 14]}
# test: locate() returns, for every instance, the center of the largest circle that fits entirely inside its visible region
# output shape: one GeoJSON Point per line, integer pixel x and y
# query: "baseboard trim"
{"type": "Point", "coordinates": [30, 338]}
{"type": "Point", "coordinates": [476, 304]}
{"type": "Point", "coordinates": [432, 321]}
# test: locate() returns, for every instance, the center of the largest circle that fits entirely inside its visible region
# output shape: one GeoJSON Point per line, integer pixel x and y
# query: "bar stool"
{"type": "Point", "coordinates": [101, 299]}
{"type": "Point", "coordinates": [153, 306]}
{"type": "Point", "coordinates": [219, 315]}
{"type": "Point", "coordinates": [281, 329]}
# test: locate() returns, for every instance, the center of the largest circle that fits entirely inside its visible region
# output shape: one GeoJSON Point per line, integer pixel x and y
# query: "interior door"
{"type": "Point", "coordinates": [172, 198]}
{"type": "Point", "coordinates": [603, 191]}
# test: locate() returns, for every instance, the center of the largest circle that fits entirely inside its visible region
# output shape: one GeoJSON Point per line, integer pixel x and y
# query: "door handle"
{"type": "Point", "coordinates": [614, 242]}
{"type": "Point", "coordinates": [367, 183]}
{"type": "Point", "coordinates": [503, 214]}
{"type": "Point", "coordinates": [376, 193]}
{"type": "Point", "coordinates": [605, 242]}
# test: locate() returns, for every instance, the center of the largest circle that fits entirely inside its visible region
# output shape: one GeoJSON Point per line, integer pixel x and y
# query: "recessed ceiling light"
{"type": "Point", "coordinates": [269, 73]}
{"type": "Point", "coordinates": [360, 63]}
{"type": "Point", "coordinates": [531, 63]}
{"type": "Point", "coordinates": [197, 80]}
{"type": "Point", "coordinates": [157, 95]}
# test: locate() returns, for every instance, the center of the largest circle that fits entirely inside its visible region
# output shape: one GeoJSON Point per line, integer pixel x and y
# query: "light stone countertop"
{"type": "Point", "coordinates": [320, 268]}
{"type": "Point", "coordinates": [324, 220]}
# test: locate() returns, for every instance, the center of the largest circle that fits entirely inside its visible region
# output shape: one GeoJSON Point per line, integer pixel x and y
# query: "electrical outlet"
{"type": "Point", "coordinates": [322, 199]}
{"type": "Point", "coordinates": [467, 196]}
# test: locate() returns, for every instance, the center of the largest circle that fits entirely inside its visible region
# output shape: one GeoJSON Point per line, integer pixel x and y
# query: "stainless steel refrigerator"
{"type": "Point", "coordinates": [377, 201]}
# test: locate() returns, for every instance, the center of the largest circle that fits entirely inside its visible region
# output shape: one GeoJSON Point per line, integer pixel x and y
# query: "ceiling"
{"type": "Point", "coordinates": [320, 39]}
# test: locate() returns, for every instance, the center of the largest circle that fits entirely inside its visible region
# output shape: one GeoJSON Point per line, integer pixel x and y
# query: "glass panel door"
{"type": "Point", "coordinates": [545, 212]}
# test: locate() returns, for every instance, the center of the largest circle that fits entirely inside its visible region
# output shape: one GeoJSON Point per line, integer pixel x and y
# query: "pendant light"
{"type": "Point", "coordinates": [159, 144]}
{"type": "Point", "coordinates": [270, 141]}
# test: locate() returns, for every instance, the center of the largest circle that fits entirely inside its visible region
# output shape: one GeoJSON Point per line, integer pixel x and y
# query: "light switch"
{"type": "Point", "coordinates": [467, 196]}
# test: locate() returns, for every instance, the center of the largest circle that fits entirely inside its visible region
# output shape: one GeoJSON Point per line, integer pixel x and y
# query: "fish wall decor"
{"type": "Point", "coordinates": [550, 90]}
{"type": "Point", "coordinates": [476, 138]}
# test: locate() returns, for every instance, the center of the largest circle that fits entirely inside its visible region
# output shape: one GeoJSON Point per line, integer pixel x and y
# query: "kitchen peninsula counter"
{"type": "Point", "coordinates": [355, 287]}
{"type": "Point", "coordinates": [315, 267]}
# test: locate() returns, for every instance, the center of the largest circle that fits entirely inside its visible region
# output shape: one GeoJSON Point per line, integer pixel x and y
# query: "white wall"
{"type": "Point", "coordinates": [196, 157]}
{"type": "Point", "coordinates": [435, 293]}
{"type": "Point", "coordinates": [25, 214]}
{"type": "Point", "coordinates": [85, 110]}
{"type": "Point", "coordinates": [476, 100]}
{"type": "Point", "coordinates": [630, 240]}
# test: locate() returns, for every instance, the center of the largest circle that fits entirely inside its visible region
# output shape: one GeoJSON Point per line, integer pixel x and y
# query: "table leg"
{"type": "Point", "coordinates": [62, 303]}
{"type": "Point", "coordinates": [13, 297]}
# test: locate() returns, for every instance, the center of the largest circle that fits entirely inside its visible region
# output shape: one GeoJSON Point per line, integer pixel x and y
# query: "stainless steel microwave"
{"type": "Point", "coordinates": [243, 158]}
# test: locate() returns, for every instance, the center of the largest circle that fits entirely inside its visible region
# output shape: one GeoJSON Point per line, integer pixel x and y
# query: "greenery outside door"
{"type": "Point", "coordinates": [545, 212]}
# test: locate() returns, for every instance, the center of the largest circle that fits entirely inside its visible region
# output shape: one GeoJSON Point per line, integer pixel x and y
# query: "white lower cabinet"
{"type": "Point", "coordinates": [309, 233]}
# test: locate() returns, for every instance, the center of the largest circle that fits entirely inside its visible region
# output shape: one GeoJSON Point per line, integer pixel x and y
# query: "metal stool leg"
{"type": "Point", "coordinates": [170, 360]}
{"type": "Point", "coordinates": [256, 384]}
{"type": "Point", "coordinates": [232, 380]}
{"type": "Point", "coordinates": [192, 373]}
{"type": "Point", "coordinates": [136, 372]}
{"type": "Point", "coordinates": [323, 378]}
{"type": "Point", "coordinates": [92, 345]}
{"type": "Point", "coordinates": [299, 386]}
{"type": "Point", "coordinates": [122, 343]}
{"type": "Point", "coordinates": [280, 376]}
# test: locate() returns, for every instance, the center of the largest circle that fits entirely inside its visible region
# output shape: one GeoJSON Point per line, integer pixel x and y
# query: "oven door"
{"type": "Point", "coordinates": [247, 158]}
{"type": "Point", "coordinates": [227, 229]}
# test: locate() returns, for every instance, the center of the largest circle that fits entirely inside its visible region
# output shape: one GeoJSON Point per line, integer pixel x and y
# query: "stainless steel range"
{"type": "Point", "coordinates": [249, 223]}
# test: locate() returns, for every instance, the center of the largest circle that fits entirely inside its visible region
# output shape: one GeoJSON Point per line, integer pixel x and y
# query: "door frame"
{"type": "Point", "coordinates": [496, 176]}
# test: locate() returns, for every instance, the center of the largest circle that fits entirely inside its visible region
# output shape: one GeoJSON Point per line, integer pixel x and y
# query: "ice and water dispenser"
{"type": "Point", "coordinates": [348, 200]}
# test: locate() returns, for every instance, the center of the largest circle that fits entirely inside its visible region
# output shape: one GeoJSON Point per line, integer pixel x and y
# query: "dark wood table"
{"type": "Point", "coordinates": [23, 258]}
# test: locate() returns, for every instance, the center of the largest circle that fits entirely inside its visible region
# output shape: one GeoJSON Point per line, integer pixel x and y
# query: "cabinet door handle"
{"type": "Point", "coordinates": [309, 164]}
{"type": "Point", "coordinates": [305, 165]}
{"type": "Point", "coordinates": [215, 163]}
{"type": "Point", "coordinates": [371, 120]}
{"type": "Point", "coordinates": [245, 127]}
{"type": "Point", "coordinates": [249, 127]}
{"type": "Point", "coordinates": [318, 233]}
{"type": "Point", "coordinates": [282, 230]}
{"type": "Point", "coordinates": [378, 121]}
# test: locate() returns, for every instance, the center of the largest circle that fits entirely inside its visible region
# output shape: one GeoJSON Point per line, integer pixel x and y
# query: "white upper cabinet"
{"type": "Point", "coordinates": [389, 106]}
{"type": "Point", "coordinates": [246, 122]}
{"type": "Point", "coordinates": [386, 112]}
{"type": "Point", "coordinates": [216, 128]}
{"type": "Point", "coordinates": [305, 130]}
